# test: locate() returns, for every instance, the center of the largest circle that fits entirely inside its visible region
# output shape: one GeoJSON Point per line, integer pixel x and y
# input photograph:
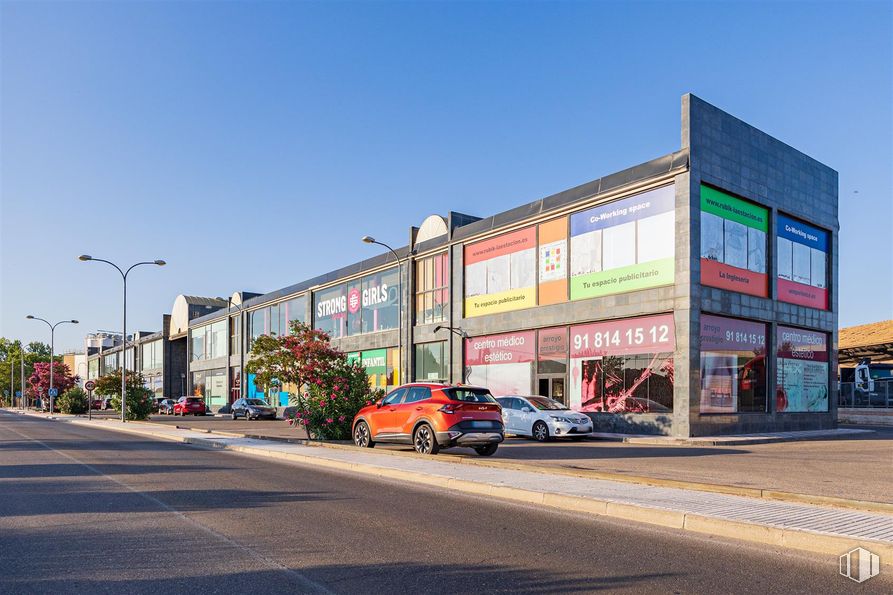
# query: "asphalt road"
{"type": "Point", "coordinates": [92, 511]}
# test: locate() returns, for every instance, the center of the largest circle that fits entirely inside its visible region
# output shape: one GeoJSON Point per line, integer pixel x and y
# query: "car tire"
{"type": "Point", "coordinates": [486, 451]}
{"type": "Point", "coordinates": [233, 416]}
{"type": "Point", "coordinates": [424, 441]}
{"type": "Point", "coordinates": [362, 437]}
{"type": "Point", "coordinates": [540, 431]}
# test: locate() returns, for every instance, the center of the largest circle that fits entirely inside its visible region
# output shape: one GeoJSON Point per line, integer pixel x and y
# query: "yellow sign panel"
{"type": "Point", "coordinates": [505, 301]}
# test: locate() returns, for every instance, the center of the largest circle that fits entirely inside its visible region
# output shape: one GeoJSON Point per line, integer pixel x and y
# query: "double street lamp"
{"type": "Point", "coordinates": [161, 263]}
{"type": "Point", "coordinates": [52, 350]}
{"type": "Point", "coordinates": [371, 240]}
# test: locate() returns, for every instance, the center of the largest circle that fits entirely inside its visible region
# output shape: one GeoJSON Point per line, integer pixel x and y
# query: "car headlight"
{"type": "Point", "coordinates": [561, 419]}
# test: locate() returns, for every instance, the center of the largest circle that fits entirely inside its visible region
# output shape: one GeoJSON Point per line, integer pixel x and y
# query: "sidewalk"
{"type": "Point", "coordinates": [806, 527]}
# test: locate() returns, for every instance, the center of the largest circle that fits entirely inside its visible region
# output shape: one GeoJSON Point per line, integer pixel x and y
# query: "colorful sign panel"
{"type": "Point", "coordinates": [625, 245]}
{"type": "Point", "coordinates": [620, 337]}
{"type": "Point", "coordinates": [733, 365]}
{"type": "Point", "coordinates": [365, 305]}
{"type": "Point", "coordinates": [733, 243]}
{"type": "Point", "coordinates": [802, 370]}
{"type": "Point", "coordinates": [802, 263]}
{"type": "Point", "coordinates": [553, 261]}
{"type": "Point", "coordinates": [502, 363]}
{"type": "Point", "coordinates": [500, 273]}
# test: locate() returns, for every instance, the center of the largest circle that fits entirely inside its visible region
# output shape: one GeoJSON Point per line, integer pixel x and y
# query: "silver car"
{"type": "Point", "coordinates": [542, 418]}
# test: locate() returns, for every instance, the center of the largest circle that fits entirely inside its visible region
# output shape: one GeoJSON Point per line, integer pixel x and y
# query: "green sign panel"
{"type": "Point", "coordinates": [620, 280]}
{"type": "Point", "coordinates": [375, 361]}
{"type": "Point", "coordinates": [734, 209]}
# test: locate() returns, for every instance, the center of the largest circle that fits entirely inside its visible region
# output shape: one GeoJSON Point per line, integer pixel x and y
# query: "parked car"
{"type": "Point", "coordinates": [252, 409]}
{"type": "Point", "coordinates": [432, 416]}
{"type": "Point", "coordinates": [156, 403]}
{"type": "Point", "coordinates": [542, 418]}
{"type": "Point", "coordinates": [96, 404]}
{"type": "Point", "coordinates": [166, 407]}
{"type": "Point", "coordinates": [193, 405]}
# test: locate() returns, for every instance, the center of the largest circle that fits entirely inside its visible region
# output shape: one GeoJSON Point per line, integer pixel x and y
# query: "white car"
{"type": "Point", "coordinates": [542, 418]}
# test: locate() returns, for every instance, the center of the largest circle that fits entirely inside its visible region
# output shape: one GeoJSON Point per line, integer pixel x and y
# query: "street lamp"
{"type": "Point", "coordinates": [52, 350]}
{"type": "Point", "coordinates": [459, 332]}
{"type": "Point", "coordinates": [161, 263]}
{"type": "Point", "coordinates": [371, 240]}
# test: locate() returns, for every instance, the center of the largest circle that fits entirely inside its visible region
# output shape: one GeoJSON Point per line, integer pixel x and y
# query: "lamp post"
{"type": "Point", "coordinates": [52, 350]}
{"type": "Point", "coordinates": [459, 332]}
{"type": "Point", "coordinates": [230, 304]}
{"type": "Point", "coordinates": [161, 263]}
{"type": "Point", "coordinates": [371, 240]}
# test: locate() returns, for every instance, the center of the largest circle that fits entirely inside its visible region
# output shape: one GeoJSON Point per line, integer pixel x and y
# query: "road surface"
{"type": "Point", "coordinates": [92, 511]}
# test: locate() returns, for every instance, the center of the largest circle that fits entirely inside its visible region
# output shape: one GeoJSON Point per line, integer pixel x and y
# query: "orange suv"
{"type": "Point", "coordinates": [432, 416]}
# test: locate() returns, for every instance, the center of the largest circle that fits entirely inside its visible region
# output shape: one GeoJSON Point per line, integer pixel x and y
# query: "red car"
{"type": "Point", "coordinates": [432, 416]}
{"type": "Point", "coordinates": [193, 405]}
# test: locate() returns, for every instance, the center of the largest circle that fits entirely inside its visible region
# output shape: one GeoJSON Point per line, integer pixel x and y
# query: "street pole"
{"type": "Point", "coordinates": [52, 351]}
{"type": "Point", "coordinates": [161, 263]}
{"type": "Point", "coordinates": [12, 382]}
{"type": "Point", "coordinates": [22, 377]}
{"type": "Point", "coordinates": [371, 240]}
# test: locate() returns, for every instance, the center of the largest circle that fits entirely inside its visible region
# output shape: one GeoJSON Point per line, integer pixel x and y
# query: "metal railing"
{"type": "Point", "coordinates": [859, 395]}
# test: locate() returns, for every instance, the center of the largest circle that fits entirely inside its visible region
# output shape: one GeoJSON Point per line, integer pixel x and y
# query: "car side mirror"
{"type": "Point", "coordinates": [379, 403]}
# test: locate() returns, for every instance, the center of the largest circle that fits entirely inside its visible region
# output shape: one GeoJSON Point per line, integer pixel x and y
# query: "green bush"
{"type": "Point", "coordinates": [328, 407]}
{"type": "Point", "coordinates": [73, 401]}
{"type": "Point", "coordinates": [139, 402]}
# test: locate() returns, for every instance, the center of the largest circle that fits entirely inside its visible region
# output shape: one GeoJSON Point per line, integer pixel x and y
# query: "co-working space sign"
{"type": "Point", "coordinates": [624, 245]}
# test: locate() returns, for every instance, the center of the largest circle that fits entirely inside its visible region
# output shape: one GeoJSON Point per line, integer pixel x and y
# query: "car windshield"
{"type": "Point", "coordinates": [255, 402]}
{"type": "Point", "coordinates": [469, 395]}
{"type": "Point", "coordinates": [543, 403]}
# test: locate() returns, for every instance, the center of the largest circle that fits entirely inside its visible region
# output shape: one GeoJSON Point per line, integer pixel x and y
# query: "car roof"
{"type": "Point", "coordinates": [441, 385]}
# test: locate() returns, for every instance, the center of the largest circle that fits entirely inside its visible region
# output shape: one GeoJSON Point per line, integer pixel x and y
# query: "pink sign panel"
{"type": "Point", "coordinates": [728, 334]}
{"type": "Point", "coordinates": [508, 348]}
{"type": "Point", "coordinates": [648, 334]}
{"type": "Point", "coordinates": [794, 343]}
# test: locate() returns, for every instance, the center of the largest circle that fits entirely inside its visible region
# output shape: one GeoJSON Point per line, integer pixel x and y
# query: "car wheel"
{"type": "Point", "coordinates": [233, 416]}
{"type": "Point", "coordinates": [362, 436]}
{"type": "Point", "coordinates": [486, 451]}
{"type": "Point", "coordinates": [423, 440]}
{"type": "Point", "coordinates": [540, 431]}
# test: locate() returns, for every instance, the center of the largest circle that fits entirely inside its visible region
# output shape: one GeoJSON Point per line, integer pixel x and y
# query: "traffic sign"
{"type": "Point", "coordinates": [53, 392]}
{"type": "Point", "coordinates": [89, 385]}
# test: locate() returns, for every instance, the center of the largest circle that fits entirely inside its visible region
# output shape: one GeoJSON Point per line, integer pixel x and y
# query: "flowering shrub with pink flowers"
{"type": "Point", "coordinates": [332, 388]}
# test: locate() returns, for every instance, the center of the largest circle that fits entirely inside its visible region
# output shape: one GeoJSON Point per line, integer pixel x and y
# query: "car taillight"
{"type": "Point", "coordinates": [450, 409]}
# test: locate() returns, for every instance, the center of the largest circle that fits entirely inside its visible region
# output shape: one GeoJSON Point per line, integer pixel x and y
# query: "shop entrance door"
{"type": "Point", "coordinates": [552, 387]}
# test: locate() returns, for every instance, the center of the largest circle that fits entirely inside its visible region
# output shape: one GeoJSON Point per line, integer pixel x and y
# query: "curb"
{"type": "Point", "coordinates": [803, 540]}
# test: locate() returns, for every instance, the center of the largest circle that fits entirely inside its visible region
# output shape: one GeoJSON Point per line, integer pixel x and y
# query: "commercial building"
{"type": "Point", "coordinates": [692, 294]}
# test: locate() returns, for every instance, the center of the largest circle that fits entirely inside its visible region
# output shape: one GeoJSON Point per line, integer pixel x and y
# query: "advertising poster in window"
{"type": "Point", "coordinates": [802, 371]}
{"type": "Point", "coordinates": [330, 311]}
{"type": "Point", "coordinates": [733, 365]}
{"type": "Point", "coordinates": [623, 366]}
{"type": "Point", "coordinates": [802, 263]}
{"type": "Point", "coordinates": [553, 262]}
{"type": "Point", "coordinates": [501, 363]}
{"type": "Point", "coordinates": [500, 273]}
{"type": "Point", "coordinates": [733, 243]}
{"type": "Point", "coordinates": [624, 245]}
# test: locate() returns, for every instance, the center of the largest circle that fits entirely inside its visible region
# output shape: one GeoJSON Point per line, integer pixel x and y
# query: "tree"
{"type": "Point", "coordinates": [110, 384]}
{"type": "Point", "coordinates": [39, 382]}
{"type": "Point", "coordinates": [331, 389]}
{"type": "Point", "coordinates": [11, 354]}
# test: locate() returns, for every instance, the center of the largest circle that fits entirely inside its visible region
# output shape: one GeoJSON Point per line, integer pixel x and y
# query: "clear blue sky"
{"type": "Point", "coordinates": [251, 145]}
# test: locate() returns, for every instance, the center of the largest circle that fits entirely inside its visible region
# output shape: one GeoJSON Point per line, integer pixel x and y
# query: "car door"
{"type": "Point", "coordinates": [383, 420]}
{"type": "Point", "coordinates": [510, 414]}
{"type": "Point", "coordinates": [412, 407]}
{"type": "Point", "coordinates": [524, 419]}
{"type": "Point", "coordinates": [239, 407]}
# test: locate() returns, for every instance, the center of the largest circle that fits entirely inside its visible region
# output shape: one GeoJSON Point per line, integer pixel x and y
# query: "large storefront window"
{"type": "Point", "coordinates": [235, 335]}
{"type": "Point", "coordinates": [257, 324]}
{"type": "Point", "coordinates": [623, 366]}
{"type": "Point", "coordinates": [366, 305]}
{"type": "Point", "coordinates": [802, 263]}
{"type": "Point", "coordinates": [624, 245]}
{"type": "Point", "coordinates": [93, 369]}
{"type": "Point", "coordinates": [552, 350]}
{"type": "Point", "coordinates": [432, 289]}
{"type": "Point", "coordinates": [501, 363]}
{"type": "Point", "coordinates": [733, 243]}
{"type": "Point", "coordinates": [431, 362]}
{"type": "Point", "coordinates": [277, 319]}
{"type": "Point", "coordinates": [294, 310]}
{"type": "Point", "coordinates": [151, 357]}
{"type": "Point", "coordinates": [802, 370]}
{"type": "Point", "coordinates": [733, 365]}
{"type": "Point", "coordinates": [211, 385]}
{"type": "Point", "coordinates": [382, 366]}
{"type": "Point", "coordinates": [109, 363]}
{"type": "Point", "coordinates": [209, 341]}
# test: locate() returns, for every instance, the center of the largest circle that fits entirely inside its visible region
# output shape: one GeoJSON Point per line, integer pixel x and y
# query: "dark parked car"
{"type": "Point", "coordinates": [252, 409]}
{"type": "Point", "coordinates": [193, 405]}
{"type": "Point", "coordinates": [166, 407]}
{"type": "Point", "coordinates": [156, 403]}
